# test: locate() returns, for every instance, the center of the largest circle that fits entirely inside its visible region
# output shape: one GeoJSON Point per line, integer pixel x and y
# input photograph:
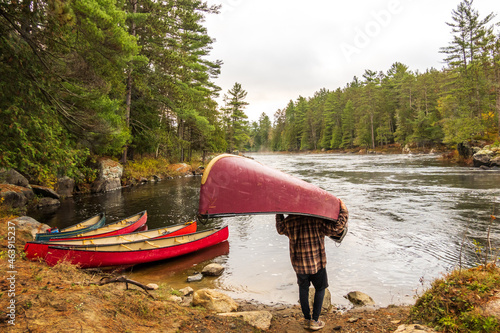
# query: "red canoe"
{"type": "Point", "coordinates": [135, 252]}
{"type": "Point", "coordinates": [92, 223]}
{"type": "Point", "coordinates": [36, 250]}
{"type": "Point", "coordinates": [234, 185]}
{"type": "Point", "coordinates": [125, 226]}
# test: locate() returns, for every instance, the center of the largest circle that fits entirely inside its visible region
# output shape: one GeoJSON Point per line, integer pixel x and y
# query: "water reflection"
{"type": "Point", "coordinates": [408, 219]}
{"type": "Point", "coordinates": [176, 270]}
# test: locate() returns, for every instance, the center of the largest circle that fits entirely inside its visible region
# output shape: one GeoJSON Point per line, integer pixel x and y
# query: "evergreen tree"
{"type": "Point", "coordinates": [292, 134]}
{"type": "Point", "coordinates": [348, 125]}
{"type": "Point", "coordinates": [278, 131]}
{"type": "Point", "coordinates": [264, 131]}
{"type": "Point", "coordinates": [236, 117]}
{"type": "Point", "coordinates": [462, 107]}
{"type": "Point", "coordinates": [61, 84]}
{"type": "Point", "coordinates": [366, 136]}
{"type": "Point", "coordinates": [172, 92]}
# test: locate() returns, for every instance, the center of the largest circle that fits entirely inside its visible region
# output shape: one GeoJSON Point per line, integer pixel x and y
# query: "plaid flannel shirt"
{"type": "Point", "coordinates": [307, 238]}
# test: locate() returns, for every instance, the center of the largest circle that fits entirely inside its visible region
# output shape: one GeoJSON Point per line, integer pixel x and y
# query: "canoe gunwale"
{"type": "Point", "coordinates": [90, 258]}
{"type": "Point", "coordinates": [208, 216]}
{"type": "Point", "coordinates": [101, 220]}
{"type": "Point", "coordinates": [83, 248]}
{"type": "Point", "coordinates": [36, 249]}
{"type": "Point", "coordinates": [111, 226]}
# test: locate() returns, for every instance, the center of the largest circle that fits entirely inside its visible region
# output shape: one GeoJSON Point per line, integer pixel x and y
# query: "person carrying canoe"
{"type": "Point", "coordinates": [307, 253]}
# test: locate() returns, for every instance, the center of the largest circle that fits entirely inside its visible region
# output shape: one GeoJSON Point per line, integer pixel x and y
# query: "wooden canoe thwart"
{"type": "Point", "coordinates": [36, 250]}
{"type": "Point", "coordinates": [138, 252]}
{"type": "Point", "coordinates": [92, 223]}
{"type": "Point", "coordinates": [235, 185]}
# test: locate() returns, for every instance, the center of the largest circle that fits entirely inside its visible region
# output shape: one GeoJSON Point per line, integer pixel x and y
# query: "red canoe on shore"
{"type": "Point", "coordinates": [125, 226]}
{"type": "Point", "coordinates": [92, 223]}
{"type": "Point", "coordinates": [235, 185]}
{"type": "Point", "coordinates": [133, 253]}
{"type": "Point", "coordinates": [37, 250]}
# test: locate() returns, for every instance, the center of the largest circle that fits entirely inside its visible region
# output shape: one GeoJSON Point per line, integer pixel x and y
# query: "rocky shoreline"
{"type": "Point", "coordinates": [269, 318]}
{"type": "Point", "coordinates": [362, 317]}
{"type": "Point", "coordinates": [16, 191]}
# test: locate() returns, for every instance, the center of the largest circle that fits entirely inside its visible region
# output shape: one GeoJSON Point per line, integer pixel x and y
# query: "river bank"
{"type": "Point", "coordinates": [396, 179]}
{"type": "Point", "coordinates": [393, 244]}
{"type": "Point", "coordinates": [38, 298]}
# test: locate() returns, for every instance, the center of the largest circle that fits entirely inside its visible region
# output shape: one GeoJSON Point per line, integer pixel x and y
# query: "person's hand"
{"type": "Point", "coordinates": [342, 205]}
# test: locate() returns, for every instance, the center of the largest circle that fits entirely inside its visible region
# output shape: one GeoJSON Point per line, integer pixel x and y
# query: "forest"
{"type": "Point", "coordinates": [134, 78]}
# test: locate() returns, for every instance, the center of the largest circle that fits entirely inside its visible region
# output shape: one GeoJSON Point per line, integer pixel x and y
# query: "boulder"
{"type": "Point", "coordinates": [45, 192]}
{"type": "Point", "coordinates": [109, 169]}
{"type": "Point", "coordinates": [495, 162]}
{"type": "Point", "coordinates": [11, 176]}
{"type": "Point", "coordinates": [152, 286]}
{"type": "Point", "coordinates": [357, 298]}
{"type": "Point", "coordinates": [414, 328]}
{"type": "Point", "coordinates": [15, 196]}
{"type": "Point", "coordinates": [47, 202]}
{"type": "Point", "coordinates": [492, 308]}
{"type": "Point", "coordinates": [212, 270]}
{"type": "Point", "coordinates": [258, 319]}
{"type": "Point", "coordinates": [181, 168]}
{"type": "Point", "coordinates": [174, 298]}
{"type": "Point", "coordinates": [30, 225]}
{"type": "Point", "coordinates": [109, 178]}
{"type": "Point", "coordinates": [187, 301]}
{"type": "Point", "coordinates": [480, 159]}
{"type": "Point", "coordinates": [327, 300]}
{"type": "Point", "coordinates": [214, 300]}
{"type": "Point", "coordinates": [487, 156]}
{"type": "Point", "coordinates": [186, 291]}
{"type": "Point", "coordinates": [65, 186]}
{"type": "Point", "coordinates": [195, 278]}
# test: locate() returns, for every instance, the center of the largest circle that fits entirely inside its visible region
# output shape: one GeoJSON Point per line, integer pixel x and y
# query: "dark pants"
{"type": "Point", "coordinates": [320, 283]}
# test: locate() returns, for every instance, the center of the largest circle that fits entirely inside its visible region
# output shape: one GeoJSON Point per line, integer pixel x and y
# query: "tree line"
{"type": "Point", "coordinates": [129, 78]}
{"type": "Point", "coordinates": [458, 103]}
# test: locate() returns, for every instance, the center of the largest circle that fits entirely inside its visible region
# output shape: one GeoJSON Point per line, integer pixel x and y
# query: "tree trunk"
{"type": "Point", "coordinates": [128, 101]}
{"type": "Point", "coordinates": [373, 133]}
{"type": "Point", "coordinates": [498, 99]}
{"type": "Point", "coordinates": [180, 134]}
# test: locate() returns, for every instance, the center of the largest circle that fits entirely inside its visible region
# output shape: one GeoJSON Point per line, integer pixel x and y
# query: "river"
{"type": "Point", "coordinates": [412, 219]}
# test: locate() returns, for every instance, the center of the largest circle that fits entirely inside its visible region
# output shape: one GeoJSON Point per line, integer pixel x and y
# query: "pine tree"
{"type": "Point", "coordinates": [348, 125]}
{"type": "Point", "coordinates": [462, 108]}
{"type": "Point", "coordinates": [235, 117]}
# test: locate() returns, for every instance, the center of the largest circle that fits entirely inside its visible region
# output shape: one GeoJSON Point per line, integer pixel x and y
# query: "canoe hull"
{"type": "Point", "coordinates": [100, 220]}
{"type": "Point", "coordinates": [234, 185]}
{"type": "Point", "coordinates": [38, 250]}
{"type": "Point", "coordinates": [89, 258]}
{"type": "Point", "coordinates": [138, 224]}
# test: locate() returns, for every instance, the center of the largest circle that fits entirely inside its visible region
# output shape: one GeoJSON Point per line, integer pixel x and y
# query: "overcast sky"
{"type": "Point", "coordinates": [282, 49]}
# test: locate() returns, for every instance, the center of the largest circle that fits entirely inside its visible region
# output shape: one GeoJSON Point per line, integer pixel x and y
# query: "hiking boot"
{"type": "Point", "coordinates": [316, 325]}
{"type": "Point", "coordinates": [306, 323]}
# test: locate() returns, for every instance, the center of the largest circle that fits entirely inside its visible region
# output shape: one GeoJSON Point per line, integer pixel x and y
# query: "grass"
{"type": "Point", "coordinates": [455, 303]}
{"type": "Point", "coordinates": [148, 167]}
{"type": "Point", "coordinates": [458, 301]}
